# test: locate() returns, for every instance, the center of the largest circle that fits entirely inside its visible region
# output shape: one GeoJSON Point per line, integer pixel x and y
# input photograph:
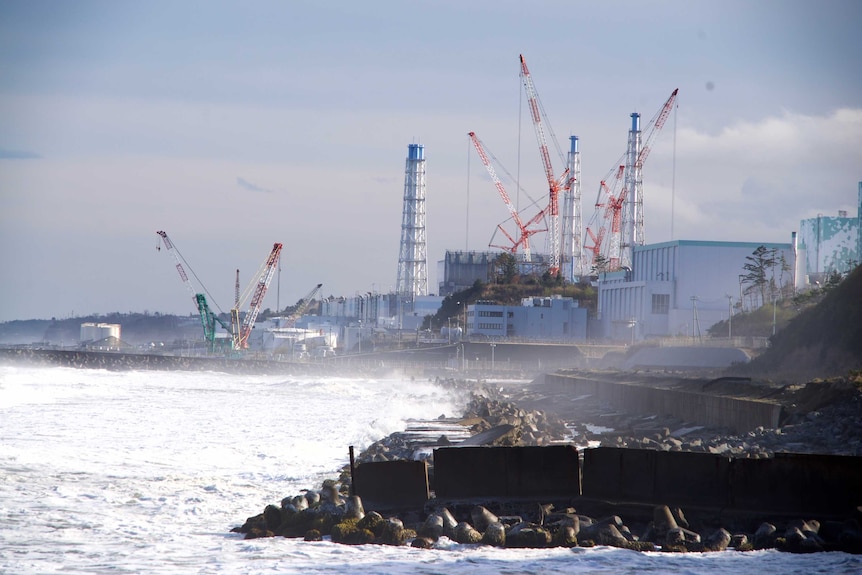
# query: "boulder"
{"type": "Point", "coordinates": [528, 535]}
{"type": "Point", "coordinates": [482, 518]}
{"type": "Point", "coordinates": [718, 541]}
{"type": "Point", "coordinates": [313, 535]}
{"type": "Point", "coordinates": [764, 537]}
{"type": "Point", "coordinates": [354, 508]}
{"type": "Point", "coordinates": [466, 534]}
{"type": "Point", "coordinates": [349, 533]}
{"type": "Point", "coordinates": [423, 543]}
{"type": "Point", "coordinates": [663, 521]}
{"type": "Point", "coordinates": [432, 528]}
{"type": "Point", "coordinates": [449, 522]}
{"type": "Point", "coordinates": [374, 522]}
{"type": "Point", "coordinates": [495, 535]}
{"type": "Point", "coordinates": [393, 532]}
{"type": "Point", "coordinates": [566, 536]}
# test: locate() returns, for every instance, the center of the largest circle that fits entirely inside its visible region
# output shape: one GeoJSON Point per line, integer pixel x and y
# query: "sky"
{"type": "Point", "coordinates": [235, 125]}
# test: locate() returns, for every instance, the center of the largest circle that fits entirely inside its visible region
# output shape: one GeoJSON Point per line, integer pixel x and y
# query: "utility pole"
{"type": "Point", "coordinates": [729, 316]}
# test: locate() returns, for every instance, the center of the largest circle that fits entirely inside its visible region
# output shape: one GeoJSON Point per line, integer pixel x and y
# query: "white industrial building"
{"type": "Point", "coordinates": [554, 318]}
{"type": "Point", "coordinates": [681, 287]}
{"type": "Point", "coordinates": [830, 244]}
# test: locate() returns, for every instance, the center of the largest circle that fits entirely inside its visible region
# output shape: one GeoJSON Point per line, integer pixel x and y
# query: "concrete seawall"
{"type": "Point", "coordinates": [737, 414]}
{"type": "Point", "coordinates": [124, 361]}
{"type": "Point", "coordinates": [815, 485]}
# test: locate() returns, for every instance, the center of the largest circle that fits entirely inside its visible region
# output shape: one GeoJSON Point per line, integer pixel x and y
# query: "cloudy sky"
{"type": "Point", "coordinates": [234, 125]}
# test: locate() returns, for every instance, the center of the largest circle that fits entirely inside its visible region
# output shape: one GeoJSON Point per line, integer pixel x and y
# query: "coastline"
{"type": "Point", "coordinates": [573, 520]}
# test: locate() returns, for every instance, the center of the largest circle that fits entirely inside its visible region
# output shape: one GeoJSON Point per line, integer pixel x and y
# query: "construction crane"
{"type": "Point", "coordinates": [596, 248]}
{"type": "Point", "coordinates": [257, 289]}
{"type": "Point", "coordinates": [639, 147]}
{"type": "Point", "coordinates": [612, 199]}
{"type": "Point", "coordinates": [525, 231]}
{"type": "Point", "coordinates": [208, 318]}
{"type": "Point", "coordinates": [555, 184]}
{"type": "Point", "coordinates": [302, 305]}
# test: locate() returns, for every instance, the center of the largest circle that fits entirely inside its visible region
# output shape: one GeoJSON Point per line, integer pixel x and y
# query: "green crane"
{"type": "Point", "coordinates": [208, 318]}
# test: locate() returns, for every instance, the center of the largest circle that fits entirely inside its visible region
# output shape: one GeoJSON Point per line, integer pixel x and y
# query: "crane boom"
{"type": "Point", "coordinates": [208, 318]}
{"type": "Point", "coordinates": [554, 184]}
{"type": "Point", "coordinates": [655, 126]}
{"type": "Point", "coordinates": [261, 284]}
{"type": "Point", "coordinates": [525, 233]}
{"type": "Point", "coordinates": [302, 305]}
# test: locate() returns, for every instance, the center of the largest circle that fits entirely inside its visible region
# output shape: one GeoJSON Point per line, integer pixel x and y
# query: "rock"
{"type": "Point", "coordinates": [313, 498]}
{"type": "Point", "coordinates": [566, 536]}
{"type": "Point", "coordinates": [432, 528]}
{"type": "Point", "coordinates": [256, 533]}
{"type": "Point", "coordinates": [482, 518]}
{"type": "Point", "coordinates": [739, 540]}
{"type": "Point", "coordinates": [466, 534]}
{"type": "Point", "coordinates": [349, 532]}
{"type": "Point", "coordinates": [559, 521]}
{"type": "Point", "coordinates": [608, 534]}
{"type": "Point", "coordinates": [374, 522]}
{"type": "Point", "coordinates": [718, 541]}
{"type": "Point", "coordinates": [495, 535]}
{"type": "Point", "coordinates": [663, 521]}
{"type": "Point", "coordinates": [313, 535]}
{"type": "Point", "coordinates": [393, 532]}
{"type": "Point", "coordinates": [679, 516]}
{"type": "Point", "coordinates": [449, 522]}
{"type": "Point", "coordinates": [329, 493]}
{"type": "Point", "coordinates": [354, 508]}
{"type": "Point", "coordinates": [256, 522]}
{"type": "Point", "coordinates": [423, 543]}
{"type": "Point", "coordinates": [764, 537]}
{"type": "Point", "coordinates": [272, 517]}
{"type": "Point", "coordinates": [528, 535]}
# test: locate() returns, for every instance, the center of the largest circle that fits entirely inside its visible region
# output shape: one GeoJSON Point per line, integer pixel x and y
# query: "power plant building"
{"type": "Point", "coordinates": [830, 244]}
{"type": "Point", "coordinates": [682, 287]}
{"type": "Point", "coordinates": [554, 318]}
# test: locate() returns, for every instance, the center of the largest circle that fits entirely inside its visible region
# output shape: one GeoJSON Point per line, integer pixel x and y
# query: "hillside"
{"type": "Point", "coordinates": [822, 341]}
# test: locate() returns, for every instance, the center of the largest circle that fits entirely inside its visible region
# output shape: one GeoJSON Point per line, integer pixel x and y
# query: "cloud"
{"type": "Point", "coordinates": [755, 181]}
{"type": "Point", "coordinates": [243, 183]}
{"type": "Point", "coordinates": [18, 155]}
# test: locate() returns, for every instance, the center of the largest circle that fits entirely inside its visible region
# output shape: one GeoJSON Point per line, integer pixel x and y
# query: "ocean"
{"type": "Point", "coordinates": [146, 472]}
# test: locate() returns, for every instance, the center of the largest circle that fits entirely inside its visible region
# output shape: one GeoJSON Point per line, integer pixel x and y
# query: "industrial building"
{"type": "Point", "coordinates": [830, 244]}
{"type": "Point", "coordinates": [556, 318]}
{"type": "Point", "coordinates": [681, 288]}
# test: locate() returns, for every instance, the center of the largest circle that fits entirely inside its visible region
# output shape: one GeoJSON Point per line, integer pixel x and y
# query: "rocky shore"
{"type": "Point", "coordinates": [821, 417]}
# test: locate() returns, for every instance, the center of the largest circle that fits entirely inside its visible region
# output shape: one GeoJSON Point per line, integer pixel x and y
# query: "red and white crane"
{"type": "Point", "coordinates": [522, 240]}
{"type": "Point", "coordinates": [555, 184]}
{"type": "Point", "coordinates": [259, 285]}
{"type": "Point", "coordinates": [614, 200]}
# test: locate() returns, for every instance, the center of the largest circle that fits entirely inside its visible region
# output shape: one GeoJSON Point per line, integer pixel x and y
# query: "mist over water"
{"type": "Point", "coordinates": [146, 472]}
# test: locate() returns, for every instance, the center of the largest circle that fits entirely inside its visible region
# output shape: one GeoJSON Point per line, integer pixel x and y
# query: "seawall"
{"type": "Point", "coordinates": [738, 414]}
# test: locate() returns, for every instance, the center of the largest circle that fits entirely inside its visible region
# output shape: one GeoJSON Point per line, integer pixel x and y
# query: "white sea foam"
{"type": "Point", "coordinates": [146, 472]}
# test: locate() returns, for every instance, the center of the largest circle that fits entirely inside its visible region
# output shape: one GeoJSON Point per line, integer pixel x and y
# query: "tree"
{"type": "Point", "coordinates": [505, 268]}
{"type": "Point", "coordinates": [600, 265]}
{"type": "Point", "coordinates": [759, 263]}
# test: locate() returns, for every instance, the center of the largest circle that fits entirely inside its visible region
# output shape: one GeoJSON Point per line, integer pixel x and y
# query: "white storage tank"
{"type": "Point", "coordinates": [99, 331]}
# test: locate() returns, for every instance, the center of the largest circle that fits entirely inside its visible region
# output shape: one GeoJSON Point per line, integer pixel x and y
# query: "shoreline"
{"type": "Point", "coordinates": [545, 521]}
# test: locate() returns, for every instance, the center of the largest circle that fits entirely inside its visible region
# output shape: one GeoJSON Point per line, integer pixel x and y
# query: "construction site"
{"type": "Point", "coordinates": [676, 289]}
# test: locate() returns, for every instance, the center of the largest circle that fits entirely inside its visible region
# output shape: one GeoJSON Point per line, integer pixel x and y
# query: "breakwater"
{"type": "Point", "coordinates": [125, 361]}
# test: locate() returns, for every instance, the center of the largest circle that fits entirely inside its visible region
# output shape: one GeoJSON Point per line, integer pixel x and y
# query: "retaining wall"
{"type": "Point", "coordinates": [740, 415]}
{"type": "Point", "coordinates": [392, 484]}
{"type": "Point", "coordinates": [800, 483]}
{"type": "Point", "coordinates": [507, 472]}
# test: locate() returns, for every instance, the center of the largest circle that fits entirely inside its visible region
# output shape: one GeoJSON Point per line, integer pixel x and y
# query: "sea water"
{"type": "Point", "coordinates": [147, 472]}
